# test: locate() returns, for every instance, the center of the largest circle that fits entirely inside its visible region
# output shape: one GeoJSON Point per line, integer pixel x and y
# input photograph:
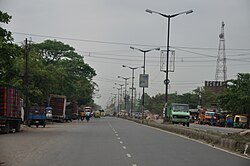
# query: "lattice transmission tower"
{"type": "Point", "coordinates": [221, 68]}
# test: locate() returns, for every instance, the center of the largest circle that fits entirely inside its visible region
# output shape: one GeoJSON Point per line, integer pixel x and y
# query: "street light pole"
{"type": "Point", "coordinates": [125, 98]}
{"type": "Point", "coordinates": [168, 36]}
{"type": "Point", "coordinates": [118, 99]}
{"type": "Point", "coordinates": [144, 66]}
{"type": "Point", "coordinates": [133, 77]}
{"type": "Point", "coordinates": [121, 91]}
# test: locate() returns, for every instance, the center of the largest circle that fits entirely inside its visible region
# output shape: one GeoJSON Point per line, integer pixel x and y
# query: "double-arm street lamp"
{"type": "Point", "coordinates": [125, 98]}
{"type": "Point", "coordinates": [133, 77]}
{"type": "Point", "coordinates": [168, 35]}
{"type": "Point", "coordinates": [144, 54]}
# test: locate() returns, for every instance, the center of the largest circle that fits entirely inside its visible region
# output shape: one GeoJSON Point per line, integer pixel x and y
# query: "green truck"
{"type": "Point", "coordinates": [178, 113]}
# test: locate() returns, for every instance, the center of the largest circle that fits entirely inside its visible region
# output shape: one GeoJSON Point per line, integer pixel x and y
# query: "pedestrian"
{"type": "Point", "coordinates": [88, 114]}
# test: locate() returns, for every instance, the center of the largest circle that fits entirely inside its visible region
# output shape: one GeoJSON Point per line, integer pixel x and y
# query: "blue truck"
{"type": "Point", "coordinates": [37, 116]}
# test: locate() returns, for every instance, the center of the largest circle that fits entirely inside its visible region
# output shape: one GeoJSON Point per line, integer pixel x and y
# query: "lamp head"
{"type": "Point", "coordinates": [123, 66]}
{"type": "Point", "coordinates": [189, 11]}
{"type": "Point", "coordinates": [149, 11]}
{"type": "Point", "coordinates": [158, 49]}
{"type": "Point", "coordinates": [132, 48]}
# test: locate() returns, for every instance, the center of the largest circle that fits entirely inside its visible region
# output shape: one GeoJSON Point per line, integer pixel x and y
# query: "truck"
{"type": "Point", "coordinates": [58, 104]}
{"type": "Point", "coordinates": [10, 109]}
{"type": "Point", "coordinates": [71, 111]}
{"type": "Point", "coordinates": [37, 116]}
{"type": "Point", "coordinates": [207, 117]}
{"type": "Point", "coordinates": [178, 113]}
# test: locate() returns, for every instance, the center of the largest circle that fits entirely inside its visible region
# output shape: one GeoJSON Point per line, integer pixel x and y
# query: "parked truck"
{"type": "Point", "coordinates": [178, 113]}
{"type": "Point", "coordinates": [71, 111]}
{"type": "Point", "coordinates": [37, 116]}
{"type": "Point", "coordinates": [58, 104]}
{"type": "Point", "coordinates": [10, 109]}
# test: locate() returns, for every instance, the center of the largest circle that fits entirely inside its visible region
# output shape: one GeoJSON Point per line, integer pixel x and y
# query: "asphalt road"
{"type": "Point", "coordinates": [108, 142]}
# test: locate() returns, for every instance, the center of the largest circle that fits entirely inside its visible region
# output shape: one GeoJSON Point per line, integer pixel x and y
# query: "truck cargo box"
{"type": "Point", "coordinates": [10, 109]}
{"type": "Point", "coordinates": [10, 102]}
{"type": "Point", "coordinates": [58, 104]}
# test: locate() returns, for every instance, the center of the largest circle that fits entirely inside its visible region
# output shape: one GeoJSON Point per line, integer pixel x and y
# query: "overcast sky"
{"type": "Point", "coordinates": [103, 30]}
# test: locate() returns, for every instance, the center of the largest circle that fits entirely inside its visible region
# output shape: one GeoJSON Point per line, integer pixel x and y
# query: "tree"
{"type": "Point", "coordinates": [9, 54]}
{"type": "Point", "coordinates": [236, 98]}
{"type": "Point", "coordinates": [69, 74]}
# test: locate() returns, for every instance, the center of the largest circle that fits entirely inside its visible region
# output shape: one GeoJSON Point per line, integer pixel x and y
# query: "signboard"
{"type": "Point", "coordinates": [163, 60]}
{"type": "Point", "coordinates": [143, 82]}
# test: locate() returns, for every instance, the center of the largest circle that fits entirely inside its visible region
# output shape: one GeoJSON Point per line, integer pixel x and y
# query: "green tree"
{"type": "Point", "coordinates": [9, 53]}
{"type": "Point", "coordinates": [236, 98]}
{"type": "Point", "coordinates": [69, 74]}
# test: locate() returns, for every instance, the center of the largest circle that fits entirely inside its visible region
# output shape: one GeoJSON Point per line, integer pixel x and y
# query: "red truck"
{"type": "Point", "coordinates": [58, 104]}
{"type": "Point", "coordinates": [10, 109]}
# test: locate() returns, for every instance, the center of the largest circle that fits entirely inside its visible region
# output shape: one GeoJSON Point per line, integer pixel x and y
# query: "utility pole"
{"type": "Point", "coordinates": [26, 83]}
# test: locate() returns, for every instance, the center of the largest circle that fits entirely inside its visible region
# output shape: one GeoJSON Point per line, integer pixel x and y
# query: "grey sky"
{"type": "Point", "coordinates": [125, 21]}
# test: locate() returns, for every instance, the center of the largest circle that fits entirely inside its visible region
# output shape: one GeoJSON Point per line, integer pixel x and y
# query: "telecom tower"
{"type": "Point", "coordinates": [221, 68]}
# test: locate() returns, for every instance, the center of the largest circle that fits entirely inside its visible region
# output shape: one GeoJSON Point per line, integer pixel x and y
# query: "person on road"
{"type": "Point", "coordinates": [88, 114]}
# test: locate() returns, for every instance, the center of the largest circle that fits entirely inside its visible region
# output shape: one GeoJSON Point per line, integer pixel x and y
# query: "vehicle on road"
{"type": "Point", "coordinates": [240, 121]}
{"type": "Point", "coordinates": [97, 114]}
{"type": "Point", "coordinates": [58, 104]}
{"type": "Point", "coordinates": [48, 113]}
{"type": "Point", "coordinates": [10, 109]}
{"type": "Point", "coordinates": [37, 116]}
{"type": "Point", "coordinates": [178, 113]}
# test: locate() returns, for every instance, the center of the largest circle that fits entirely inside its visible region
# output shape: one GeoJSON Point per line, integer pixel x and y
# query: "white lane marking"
{"type": "Point", "coordinates": [128, 155]}
{"type": "Point", "coordinates": [124, 147]}
{"type": "Point", "coordinates": [121, 142]}
{"type": "Point", "coordinates": [118, 138]}
{"type": "Point", "coordinates": [134, 165]}
{"type": "Point", "coordinates": [117, 135]}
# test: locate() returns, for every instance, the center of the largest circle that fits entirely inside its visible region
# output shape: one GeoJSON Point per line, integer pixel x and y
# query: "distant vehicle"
{"type": "Point", "coordinates": [58, 104]}
{"type": "Point", "coordinates": [37, 116]}
{"type": "Point", "coordinates": [102, 113]}
{"type": "Point", "coordinates": [137, 115]}
{"type": "Point", "coordinates": [48, 113]}
{"type": "Point", "coordinates": [178, 113]}
{"type": "Point", "coordinates": [207, 117]}
{"type": "Point", "coordinates": [240, 121]}
{"type": "Point", "coordinates": [10, 109]}
{"type": "Point", "coordinates": [97, 114]}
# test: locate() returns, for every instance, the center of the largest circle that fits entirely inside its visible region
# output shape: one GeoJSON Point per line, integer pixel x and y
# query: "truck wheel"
{"type": "Point", "coordinates": [7, 128]}
{"type": "Point", "coordinates": [37, 125]}
{"type": "Point", "coordinates": [44, 125]}
{"type": "Point", "coordinates": [187, 124]}
{"type": "Point", "coordinates": [18, 127]}
{"type": "Point", "coordinates": [183, 124]}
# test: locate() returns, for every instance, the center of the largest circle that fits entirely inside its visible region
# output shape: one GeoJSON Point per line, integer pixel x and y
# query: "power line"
{"type": "Point", "coordinates": [86, 40]}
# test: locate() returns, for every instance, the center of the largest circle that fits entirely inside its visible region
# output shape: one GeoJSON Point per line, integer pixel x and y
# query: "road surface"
{"type": "Point", "coordinates": [108, 142]}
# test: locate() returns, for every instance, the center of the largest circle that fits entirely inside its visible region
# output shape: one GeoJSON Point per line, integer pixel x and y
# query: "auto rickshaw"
{"type": "Point", "coordinates": [240, 121]}
{"type": "Point", "coordinates": [97, 114]}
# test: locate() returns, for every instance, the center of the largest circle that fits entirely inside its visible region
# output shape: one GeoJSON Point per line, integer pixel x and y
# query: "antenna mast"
{"type": "Point", "coordinates": [221, 68]}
